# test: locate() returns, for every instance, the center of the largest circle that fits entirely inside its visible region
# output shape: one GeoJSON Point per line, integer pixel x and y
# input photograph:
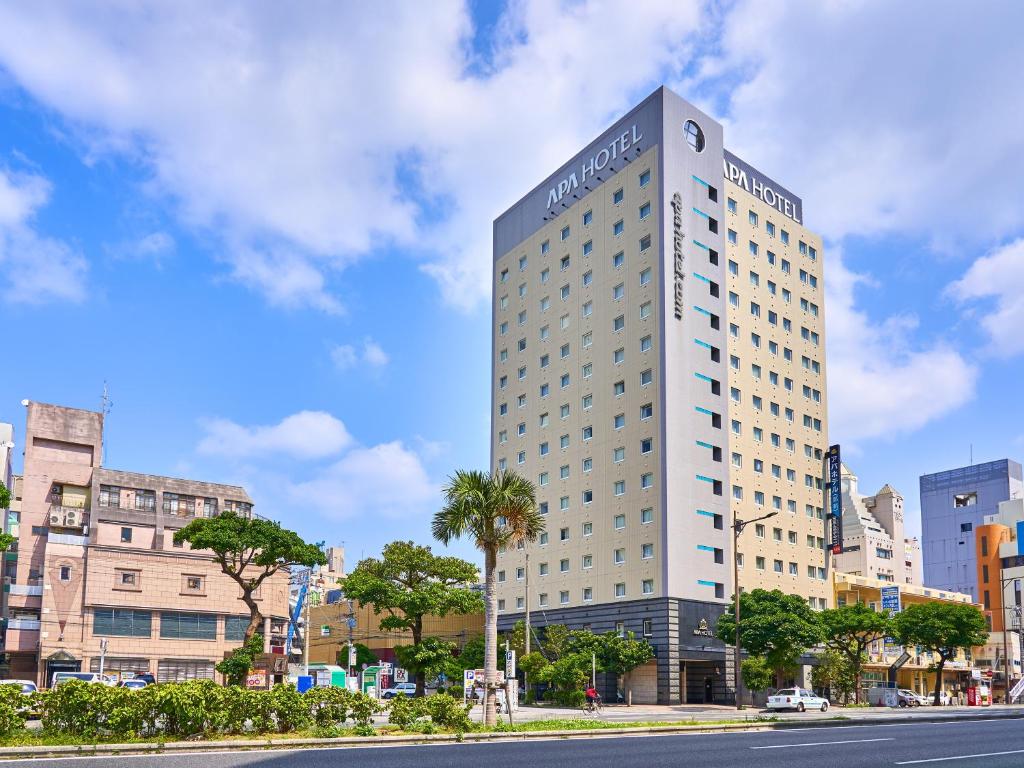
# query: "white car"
{"type": "Point", "coordinates": [913, 699]}
{"type": "Point", "coordinates": [799, 699]}
{"type": "Point", "coordinates": [409, 689]}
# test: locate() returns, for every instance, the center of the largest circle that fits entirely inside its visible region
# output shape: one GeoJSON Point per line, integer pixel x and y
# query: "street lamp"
{"type": "Point", "coordinates": [737, 528]}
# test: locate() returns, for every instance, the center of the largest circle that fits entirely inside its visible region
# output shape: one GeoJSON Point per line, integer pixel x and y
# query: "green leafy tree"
{"type": "Point", "coordinates": [472, 654]}
{"type": "Point", "coordinates": [495, 511]}
{"type": "Point", "coordinates": [757, 674]}
{"type": "Point", "coordinates": [429, 658]}
{"type": "Point", "coordinates": [774, 625]}
{"type": "Point", "coordinates": [407, 583]}
{"type": "Point", "coordinates": [849, 630]}
{"type": "Point", "coordinates": [249, 550]}
{"type": "Point", "coordinates": [835, 671]}
{"type": "Point", "coordinates": [621, 655]}
{"type": "Point", "coordinates": [363, 656]}
{"type": "Point", "coordinates": [942, 628]}
{"type": "Point", "coordinates": [235, 667]}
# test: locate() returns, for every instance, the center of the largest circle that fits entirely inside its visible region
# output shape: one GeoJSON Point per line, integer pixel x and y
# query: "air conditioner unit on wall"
{"type": "Point", "coordinates": [71, 518]}
{"type": "Point", "coordinates": [56, 520]}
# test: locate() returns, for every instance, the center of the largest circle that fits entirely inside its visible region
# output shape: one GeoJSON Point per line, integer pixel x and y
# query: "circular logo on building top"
{"type": "Point", "coordinates": [694, 136]}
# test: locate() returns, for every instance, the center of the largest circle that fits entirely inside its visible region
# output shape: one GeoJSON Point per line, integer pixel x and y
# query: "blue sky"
{"type": "Point", "coordinates": [269, 234]}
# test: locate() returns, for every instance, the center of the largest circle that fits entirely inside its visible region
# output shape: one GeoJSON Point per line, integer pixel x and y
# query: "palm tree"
{"type": "Point", "coordinates": [497, 511]}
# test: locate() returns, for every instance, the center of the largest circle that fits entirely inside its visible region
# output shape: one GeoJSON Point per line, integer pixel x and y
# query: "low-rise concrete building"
{"type": "Point", "coordinates": [916, 673]}
{"type": "Point", "coordinates": [96, 560]}
{"type": "Point", "coordinates": [874, 541]}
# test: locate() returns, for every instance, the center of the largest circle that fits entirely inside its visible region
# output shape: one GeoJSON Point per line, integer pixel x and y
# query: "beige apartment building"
{"type": "Point", "coordinates": [95, 558]}
{"type": "Point", "coordinates": [875, 544]}
{"type": "Point", "coordinates": [615, 321]}
{"type": "Point", "coordinates": [778, 424]}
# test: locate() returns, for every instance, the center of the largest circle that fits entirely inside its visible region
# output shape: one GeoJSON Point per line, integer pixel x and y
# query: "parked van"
{"type": "Point", "coordinates": [85, 677]}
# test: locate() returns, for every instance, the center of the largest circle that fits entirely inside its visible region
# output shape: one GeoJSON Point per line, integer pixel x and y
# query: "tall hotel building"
{"type": "Point", "coordinates": [658, 370]}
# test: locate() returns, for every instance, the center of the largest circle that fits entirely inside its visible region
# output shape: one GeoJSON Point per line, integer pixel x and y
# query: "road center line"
{"type": "Point", "coordinates": [961, 757]}
{"type": "Point", "coordinates": [819, 743]}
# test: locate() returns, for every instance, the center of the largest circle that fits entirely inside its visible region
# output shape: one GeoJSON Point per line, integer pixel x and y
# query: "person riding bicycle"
{"type": "Point", "coordinates": [593, 697]}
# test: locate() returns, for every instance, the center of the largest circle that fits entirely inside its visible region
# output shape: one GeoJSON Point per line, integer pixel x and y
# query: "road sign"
{"type": "Point", "coordinates": [510, 664]}
{"type": "Point", "coordinates": [401, 676]}
{"type": "Point", "coordinates": [351, 655]}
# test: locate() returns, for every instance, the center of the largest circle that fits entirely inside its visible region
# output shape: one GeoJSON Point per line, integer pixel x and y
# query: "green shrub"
{"type": "Point", "coordinates": [565, 698]}
{"type": "Point", "coordinates": [71, 708]}
{"type": "Point", "coordinates": [363, 708]}
{"type": "Point", "coordinates": [237, 706]}
{"type": "Point", "coordinates": [403, 711]}
{"type": "Point", "coordinates": [456, 691]}
{"type": "Point", "coordinates": [448, 712]}
{"type": "Point", "coordinates": [328, 706]}
{"type": "Point", "coordinates": [12, 708]}
{"type": "Point", "coordinates": [291, 710]}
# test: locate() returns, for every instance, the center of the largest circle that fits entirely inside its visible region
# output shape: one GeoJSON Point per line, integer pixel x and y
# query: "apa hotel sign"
{"type": "Point", "coordinates": [596, 162]}
{"type": "Point", "coordinates": [760, 186]}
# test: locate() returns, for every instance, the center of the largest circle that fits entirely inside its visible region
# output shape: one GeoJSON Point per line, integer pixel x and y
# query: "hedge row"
{"type": "Point", "coordinates": [198, 707]}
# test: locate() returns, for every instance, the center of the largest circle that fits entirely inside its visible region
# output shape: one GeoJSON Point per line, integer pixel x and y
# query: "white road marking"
{"type": "Point", "coordinates": [961, 757]}
{"type": "Point", "coordinates": [819, 743]}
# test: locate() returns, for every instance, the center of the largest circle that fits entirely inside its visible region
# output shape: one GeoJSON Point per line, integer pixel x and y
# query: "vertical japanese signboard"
{"type": "Point", "coordinates": [835, 501]}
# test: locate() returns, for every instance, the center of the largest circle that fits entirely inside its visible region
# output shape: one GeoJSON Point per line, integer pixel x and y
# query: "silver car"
{"type": "Point", "coordinates": [799, 699]}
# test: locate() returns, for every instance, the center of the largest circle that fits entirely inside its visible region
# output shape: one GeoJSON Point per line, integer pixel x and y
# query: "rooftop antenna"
{"type": "Point", "coordinates": [105, 405]}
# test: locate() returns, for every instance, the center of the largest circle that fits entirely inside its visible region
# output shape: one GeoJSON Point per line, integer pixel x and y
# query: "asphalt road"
{"type": "Point", "coordinates": [959, 744]}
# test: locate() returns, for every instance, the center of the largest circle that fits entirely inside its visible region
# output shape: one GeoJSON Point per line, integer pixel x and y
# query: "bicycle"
{"type": "Point", "coordinates": [593, 707]}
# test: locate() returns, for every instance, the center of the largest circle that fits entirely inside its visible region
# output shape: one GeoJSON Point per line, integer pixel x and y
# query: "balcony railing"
{"type": "Point", "coordinates": [26, 589]}
{"type": "Point", "coordinates": [24, 624]}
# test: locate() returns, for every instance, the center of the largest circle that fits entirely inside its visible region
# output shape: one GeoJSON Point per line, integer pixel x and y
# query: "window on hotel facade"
{"type": "Point", "coordinates": [234, 627]}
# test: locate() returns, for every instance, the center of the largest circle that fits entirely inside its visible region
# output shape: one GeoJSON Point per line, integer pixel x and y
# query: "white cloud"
{"type": "Point", "coordinates": [304, 435]}
{"type": "Point", "coordinates": [885, 117]}
{"type": "Point", "coordinates": [386, 481]}
{"type": "Point", "coordinates": [880, 383]}
{"type": "Point", "coordinates": [310, 140]}
{"type": "Point", "coordinates": [371, 354]}
{"type": "Point", "coordinates": [35, 268]}
{"type": "Point", "coordinates": [999, 276]}
{"type": "Point", "coordinates": [332, 476]}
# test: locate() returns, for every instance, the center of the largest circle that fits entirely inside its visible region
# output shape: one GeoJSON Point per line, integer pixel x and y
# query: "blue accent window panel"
{"type": "Point", "coordinates": [706, 583]}
{"type": "Point", "coordinates": [699, 276]}
{"type": "Point", "coordinates": [700, 343]}
{"type": "Point", "coordinates": [706, 479]}
{"type": "Point", "coordinates": [703, 410]}
{"type": "Point", "coordinates": [705, 548]}
{"type": "Point", "coordinates": [699, 244]}
{"type": "Point", "coordinates": [698, 179]}
{"type": "Point", "coordinates": [699, 212]}
{"type": "Point", "coordinates": [705, 513]}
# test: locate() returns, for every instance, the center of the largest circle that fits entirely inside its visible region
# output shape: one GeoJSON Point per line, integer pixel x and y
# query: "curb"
{"type": "Point", "coordinates": [184, 747]}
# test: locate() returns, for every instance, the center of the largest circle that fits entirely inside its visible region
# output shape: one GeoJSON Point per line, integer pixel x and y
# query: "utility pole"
{"type": "Point", "coordinates": [103, 653]}
{"type": "Point", "coordinates": [351, 634]}
{"type": "Point", "coordinates": [305, 653]}
{"type": "Point", "coordinates": [737, 528]}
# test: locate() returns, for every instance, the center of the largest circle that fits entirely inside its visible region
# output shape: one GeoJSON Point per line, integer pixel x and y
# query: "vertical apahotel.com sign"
{"type": "Point", "coordinates": [835, 501]}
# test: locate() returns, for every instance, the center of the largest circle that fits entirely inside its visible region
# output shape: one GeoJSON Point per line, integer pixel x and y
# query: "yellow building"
{"type": "Point", "coordinates": [330, 631]}
{"type": "Point", "coordinates": [914, 674]}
